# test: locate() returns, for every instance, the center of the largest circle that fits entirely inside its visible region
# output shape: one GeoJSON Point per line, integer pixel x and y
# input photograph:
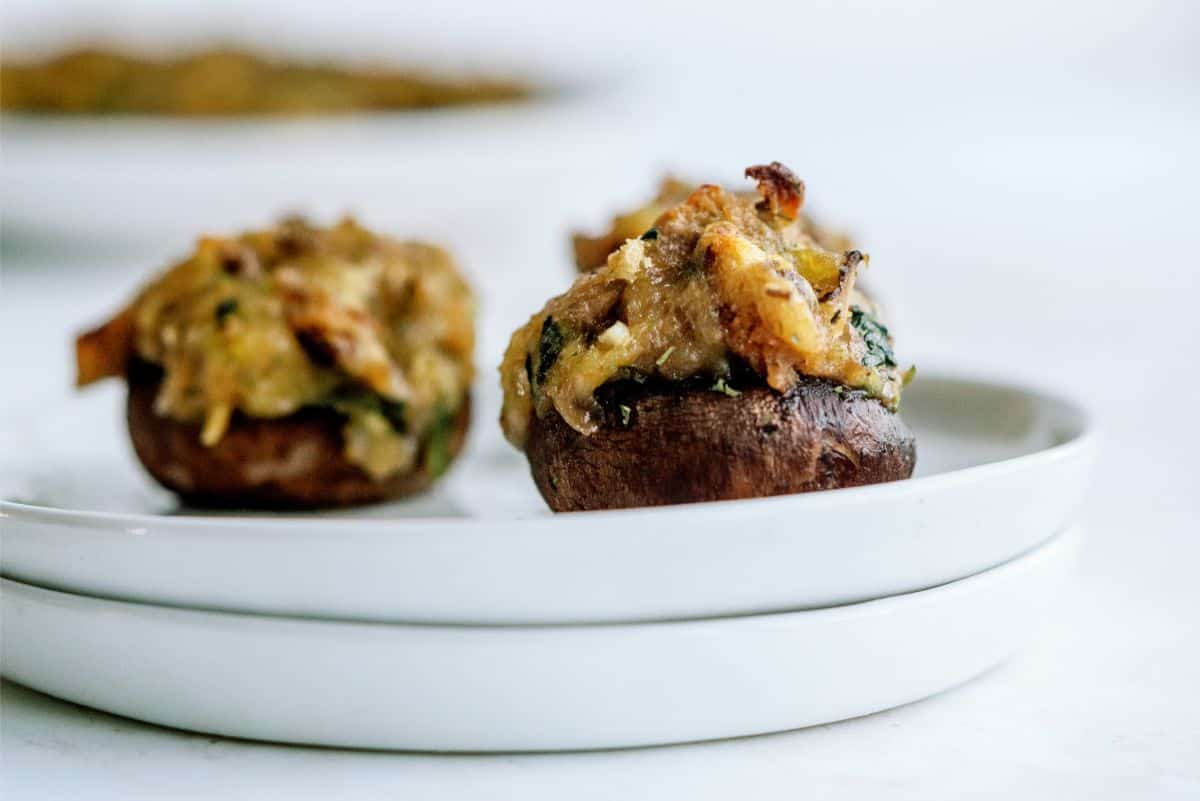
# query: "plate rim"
{"type": "Point", "coordinates": [996, 612]}
{"type": "Point", "coordinates": [1085, 437]}
{"type": "Point", "coordinates": [1063, 543]}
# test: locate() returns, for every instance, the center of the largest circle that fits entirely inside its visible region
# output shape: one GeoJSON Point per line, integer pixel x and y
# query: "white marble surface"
{"type": "Point", "coordinates": [1041, 227]}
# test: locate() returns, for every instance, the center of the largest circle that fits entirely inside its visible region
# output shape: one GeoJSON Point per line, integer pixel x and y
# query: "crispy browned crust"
{"type": "Point", "coordinates": [700, 445]}
{"type": "Point", "coordinates": [292, 462]}
{"type": "Point", "coordinates": [592, 251]}
{"type": "Point", "coordinates": [104, 352]}
{"type": "Point", "coordinates": [782, 191]}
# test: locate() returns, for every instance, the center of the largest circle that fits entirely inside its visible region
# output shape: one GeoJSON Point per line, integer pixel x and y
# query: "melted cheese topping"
{"type": "Point", "coordinates": [716, 280]}
{"type": "Point", "coordinates": [273, 321]}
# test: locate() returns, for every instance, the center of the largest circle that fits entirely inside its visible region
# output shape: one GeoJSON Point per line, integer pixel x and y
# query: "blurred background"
{"type": "Point", "coordinates": [1022, 158]}
{"type": "Point", "coordinates": [1022, 173]}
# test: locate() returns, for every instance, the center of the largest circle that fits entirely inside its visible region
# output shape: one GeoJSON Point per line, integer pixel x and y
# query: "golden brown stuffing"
{"type": "Point", "coordinates": [272, 321]}
{"type": "Point", "coordinates": [716, 281]}
{"type": "Point", "coordinates": [592, 252]}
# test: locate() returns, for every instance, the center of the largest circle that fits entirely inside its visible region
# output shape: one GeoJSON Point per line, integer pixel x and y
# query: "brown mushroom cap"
{"type": "Point", "coordinates": [662, 444]}
{"type": "Point", "coordinates": [289, 462]}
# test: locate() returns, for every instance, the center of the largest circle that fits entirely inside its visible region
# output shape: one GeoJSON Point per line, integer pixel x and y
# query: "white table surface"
{"type": "Point", "coordinates": [1045, 231]}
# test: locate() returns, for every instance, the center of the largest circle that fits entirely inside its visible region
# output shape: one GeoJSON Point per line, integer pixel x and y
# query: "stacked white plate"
{"type": "Point", "coordinates": [472, 619]}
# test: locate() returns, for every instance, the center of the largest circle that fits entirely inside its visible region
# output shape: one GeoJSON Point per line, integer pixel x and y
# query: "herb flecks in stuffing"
{"type": "Point", "coordinates": [876, 337]}
{"type": "Point", "coordinates": [720, 385]}
{"type": "Point", "coordinates": [437, 445]}
{"type": "Point", "coordinates": [550, 345]}
{"type": "Point", "coordinates": [226, 307]}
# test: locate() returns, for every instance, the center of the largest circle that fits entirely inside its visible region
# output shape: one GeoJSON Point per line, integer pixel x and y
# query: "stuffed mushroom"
{"type": "Point", "coordinates": [296, 366]}
{"type": "Point", "coordinates": [722, 353]}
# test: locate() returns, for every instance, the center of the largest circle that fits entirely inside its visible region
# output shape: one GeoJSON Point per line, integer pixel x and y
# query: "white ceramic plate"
{"type": "Point", "coordinates": [463, 688]}
{"type": "Point", "coordinates": [1000, 470]}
